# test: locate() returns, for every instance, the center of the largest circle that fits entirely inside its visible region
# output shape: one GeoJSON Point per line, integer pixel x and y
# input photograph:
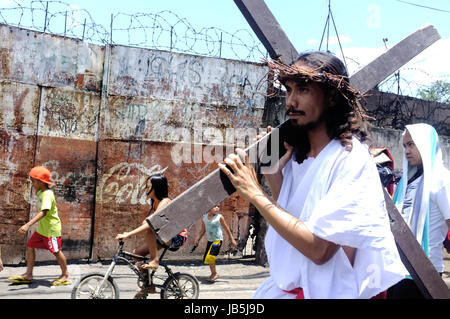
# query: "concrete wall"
{"type": "Point", "coordinates": [49, 98]}
{"type": "Point", "coordinates": [396, 111]}
{"type": "Point", "coordinates": [102, 119]}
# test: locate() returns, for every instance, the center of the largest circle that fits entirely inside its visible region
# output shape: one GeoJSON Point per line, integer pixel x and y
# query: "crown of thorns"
{"type": "Point", "coordinates": [339, 82]}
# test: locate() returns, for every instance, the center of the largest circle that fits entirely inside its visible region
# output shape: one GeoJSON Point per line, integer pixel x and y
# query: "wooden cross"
{"type": "Point", "coordinates": [214, 188]}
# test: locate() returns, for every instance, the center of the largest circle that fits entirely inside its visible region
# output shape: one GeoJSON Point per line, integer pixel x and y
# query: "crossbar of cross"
{"type": "Point", "coordinates": [190, 205]}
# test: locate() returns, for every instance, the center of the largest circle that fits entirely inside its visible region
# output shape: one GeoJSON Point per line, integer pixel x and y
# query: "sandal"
{"type": "Point", "coordinates": [61, 282]}
{"type": "Point", "coordinates": [139, 265]}
{"type": "Point", "coordinates": [149, 266]}
{"type": "Point", "coordinates": [18, 279]}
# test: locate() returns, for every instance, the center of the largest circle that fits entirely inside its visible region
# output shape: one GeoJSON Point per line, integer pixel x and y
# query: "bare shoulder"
{"type": "Point", "coordinates": [164, 202]}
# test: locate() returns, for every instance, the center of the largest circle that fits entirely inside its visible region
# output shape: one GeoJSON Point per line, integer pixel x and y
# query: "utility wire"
{"type": "Point", "coordinates": [422, 6]}
{"type": "Point", "coordinates": [327, 30]}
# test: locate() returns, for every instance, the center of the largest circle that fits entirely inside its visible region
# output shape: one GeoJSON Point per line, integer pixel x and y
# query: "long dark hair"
{"type": "Point", "coordinates": [159, 185]}
{"type": "Point", "coordinates": [345, 119]}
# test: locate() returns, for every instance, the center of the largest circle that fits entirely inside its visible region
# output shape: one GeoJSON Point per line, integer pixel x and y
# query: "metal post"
{"type": "Point", "coordinates": [328, 27]}
{"type": "Point", "coordinates": [65, 24]}
{"type": "Point", "coordinates": [220, 45]}
{"type": "Point", "coordinates": [111, 30]}
{"type": "Point", "coordinates": [339, 41]}
{"type": "Point", "coordinates": [171, 38]}
{"type": "Point", "coordinates": [324, 30]}
{"type": "Point", "coordinates": [84, 29]}
{"type": "Point", "coordinates": [45, 20]}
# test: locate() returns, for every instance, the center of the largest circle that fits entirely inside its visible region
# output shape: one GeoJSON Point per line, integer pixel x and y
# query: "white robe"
{"type": "Point", "coordinates": [338, 195]}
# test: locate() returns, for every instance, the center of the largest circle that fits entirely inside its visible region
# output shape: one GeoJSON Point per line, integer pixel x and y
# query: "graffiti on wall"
{"type": "Point", "coordinates": [157, 120]}
{"type": "Point", "coordinates": [70, 185]}
{"type": "Point", "coordinates": [169, 76]}
{"type": "Point", "coordinates": [19, 107]}
{"type": "Point", "coordinates": [70, 114]}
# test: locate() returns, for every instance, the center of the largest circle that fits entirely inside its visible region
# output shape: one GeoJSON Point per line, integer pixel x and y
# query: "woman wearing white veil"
{"type": "Point", "coordinates": [423, 198]}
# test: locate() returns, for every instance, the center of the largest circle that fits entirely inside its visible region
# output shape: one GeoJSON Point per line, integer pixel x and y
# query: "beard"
{"type": "Point", "coordinates": [306, 127]}
{"type": "Point", "coordinates": [298, 132]}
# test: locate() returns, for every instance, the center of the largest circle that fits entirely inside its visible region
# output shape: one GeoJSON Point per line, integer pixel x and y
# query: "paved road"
{"type": "Point", "coordinates": [238, 279]}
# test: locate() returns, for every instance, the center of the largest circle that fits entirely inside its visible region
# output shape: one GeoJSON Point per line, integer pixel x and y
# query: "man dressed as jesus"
{"type": "Point", "coordinates": [329, 234]}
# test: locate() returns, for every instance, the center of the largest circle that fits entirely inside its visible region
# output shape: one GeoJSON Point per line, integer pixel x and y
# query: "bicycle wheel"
{"type": "Point", "coordinates": [88, 284]}
{"type": "Point", "coordinates": [180, 286]}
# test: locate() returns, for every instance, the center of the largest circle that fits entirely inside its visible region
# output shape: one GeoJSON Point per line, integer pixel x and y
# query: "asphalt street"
{"type": "Point", "coordinates": [238, 279]}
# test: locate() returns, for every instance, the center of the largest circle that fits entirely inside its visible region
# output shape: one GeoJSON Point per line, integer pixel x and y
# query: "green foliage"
{"type": "Point", "coordinates": [438, 91]}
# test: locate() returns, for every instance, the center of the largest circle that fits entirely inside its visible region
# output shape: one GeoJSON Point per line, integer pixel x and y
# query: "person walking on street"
{"type": "Point", "coordinates": [48, 233]}
{"type": "Point", "coordinates": [212, 224]}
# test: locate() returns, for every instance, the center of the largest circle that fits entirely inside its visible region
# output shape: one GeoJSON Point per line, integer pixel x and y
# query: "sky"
{"type": "Point", "coordinates": [361, 24]}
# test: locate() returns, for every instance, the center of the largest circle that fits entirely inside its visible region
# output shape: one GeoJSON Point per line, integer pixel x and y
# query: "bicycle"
{"type": "Point", "coordinates": [103, 286]}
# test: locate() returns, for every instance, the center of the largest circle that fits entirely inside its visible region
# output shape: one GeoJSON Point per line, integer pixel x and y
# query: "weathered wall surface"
{"type": "Point", "coordinates": [103, 119]}
{"type": "Point", "coordinates": [49, 104]}
{"type": "Point", "coordinates": [396, 111]}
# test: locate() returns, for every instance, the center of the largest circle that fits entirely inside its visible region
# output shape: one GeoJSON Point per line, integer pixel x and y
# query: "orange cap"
{"type": "Point", "coordinates": [41, 173]}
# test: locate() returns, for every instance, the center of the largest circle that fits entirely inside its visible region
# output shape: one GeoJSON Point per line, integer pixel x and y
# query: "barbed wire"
{"type": "Point", "coordinates": [401, 84]}
{"type": "Point", "coordinates": [164, 30]}
{"type": "Point", "coordinates": [396, 111]}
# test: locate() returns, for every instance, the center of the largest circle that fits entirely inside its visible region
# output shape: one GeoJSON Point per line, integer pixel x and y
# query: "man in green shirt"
{"type": "Point", "coordinates": [48, 234]}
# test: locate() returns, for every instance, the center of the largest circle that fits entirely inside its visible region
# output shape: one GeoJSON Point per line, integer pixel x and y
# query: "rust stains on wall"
{"type": "Point", "coordinates": [18, 117]}
{"type": "Point", "coordinates": [16, 158]}
{"type": "Point", "coordinates": [19, 107]}
{"type": "Point", "coordinates": [102, 140]}
{"type": "Point", "coordinates": [73, 166]}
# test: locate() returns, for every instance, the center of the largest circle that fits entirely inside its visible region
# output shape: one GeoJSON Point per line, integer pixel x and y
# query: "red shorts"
{"type": "Point", "coordinates": [53, 244]}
